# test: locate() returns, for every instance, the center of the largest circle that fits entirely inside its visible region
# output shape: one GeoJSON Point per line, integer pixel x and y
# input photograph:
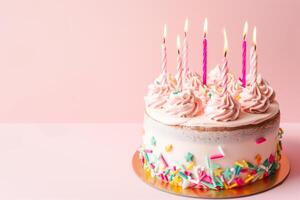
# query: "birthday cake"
{"type": "Point", "coordinates": [218, 133]}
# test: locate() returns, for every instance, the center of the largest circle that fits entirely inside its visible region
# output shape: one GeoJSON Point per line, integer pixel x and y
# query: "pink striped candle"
{"type": "Point", "coordinates": [179, 66]}
{"type": "Point", "coordinates": [164, 56]}
{"type": "Point", "coordinates": [224, 67]}
{"type": "Point", "coordinates": [244, 55]}
{"type": "Point", "coordinates": [253, 60]}
{"type": "Point", "coordinates": [204, 61]}
{"type": "Point", "coordinates": [185, 63]}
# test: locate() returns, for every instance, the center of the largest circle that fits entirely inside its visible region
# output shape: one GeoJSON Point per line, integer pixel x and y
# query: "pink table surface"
{"type": "Point", "coordinates": [93, 161]}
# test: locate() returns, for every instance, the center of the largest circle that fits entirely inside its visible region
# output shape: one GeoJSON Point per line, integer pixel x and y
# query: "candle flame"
{"type": "Point", "coordinates": [178, 42]}
{"type": "Point", "coordinates": [245, 29]}
{"type": "Point", "coordinates": [186, 25]}
{"type": "Point", "coordinates": [165, 31]}
{"type": "Point", "coordinates": [205, 27]}
{"type": "Point", "coordinates": [225, 43]}
{"type": "Point", "coordinates": [254, 36]}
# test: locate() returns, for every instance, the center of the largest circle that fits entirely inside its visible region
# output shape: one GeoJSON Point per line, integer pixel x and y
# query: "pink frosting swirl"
{"type": "Point", "coordinates": [253, 101]}
{"type": "Point", "coordinates": [234, 87]}
{"type": "Point", "coordinates": [222, 108]}
{"type": "Point", "coordinates": [265, 88]}
{"type": "Point", "coordinates": [183, 104]}
{"type": "Point", "coordinates": [193, 82]}
{"type": "Point", "coordinates": [214, 76]}
{"type": "Point", "coordinates": [159, 91]}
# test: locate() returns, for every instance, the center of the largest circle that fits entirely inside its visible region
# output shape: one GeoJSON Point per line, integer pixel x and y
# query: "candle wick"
{"type": "Point", "coordinates": [185, 34]}
{"type": "Point", "coordinates": [164, 40]}
{"type": "Point", "coordinates": [255, 47]}
{"type": "Point", "coordinates": [178, 51]}
{"type": "Point", "coordinates": [204, 35]}
{"type": "Point", "coordinates": [225, 54]}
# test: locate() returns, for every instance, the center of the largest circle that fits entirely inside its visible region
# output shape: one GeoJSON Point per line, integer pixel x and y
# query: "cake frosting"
{"type": "Point", "coordinates": [253, 100]}
{"type": "Point", "coordinates": [265, 88]}
{"type": "Point", "coordinates": [183, 104]}
{"type": "Point", "coordinates": [222, 108]}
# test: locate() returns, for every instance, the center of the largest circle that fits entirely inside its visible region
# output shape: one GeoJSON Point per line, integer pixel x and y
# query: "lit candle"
{"type": "Point", "coordinates": [253, 59]}
{"type": "Point", "coordinates": [164, 56]}
{"type": "Point", "coordinates": [244, 54]}
{"type": "Point", "coordinates": [224, 67]}
{"type": "Point", "coordinates": [185, 48]}
{"type": "Point", "coordinates": [204, 64]}
{"type": "Point", "coordinates": [179, 65]}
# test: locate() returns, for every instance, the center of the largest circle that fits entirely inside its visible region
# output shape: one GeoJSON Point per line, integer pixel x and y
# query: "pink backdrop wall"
{"type": "Point", "coordinates": [91, 60]}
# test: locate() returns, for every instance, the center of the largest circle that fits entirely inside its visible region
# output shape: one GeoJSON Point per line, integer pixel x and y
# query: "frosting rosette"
{"type": "Point", "coordinates": [159, 92]}
{"type": "Point", "coordinates": [265, 88]}
{"type": "Point", "coordinates": [214, 76]}
{"type": "Point", "coordinates": [234, 86]}
{"type": "Point", "coordinates": [253, 100]}
{"type": "Point", "coordinates": [183, 104]}
{"type": "Point", "coordinates": [222, 107]}
{"type": "Point", "coordinates": [193, 82]}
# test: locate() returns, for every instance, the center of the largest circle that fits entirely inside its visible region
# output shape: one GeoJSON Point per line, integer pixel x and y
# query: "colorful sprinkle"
{"type": "Point", "coordinates": [189, 157]}
{"type": "Point", "coordinates": [221, 150]}
{"type": "Point", "coordinates": [153, 141]}
{"type": "Point", "coordinates": [239, 181]}
{"type": "Point", "coordinates": [218, 171]}
{"type": "Point", "coordinates": [164, 160]}
{"type": "Point", "coordinates": [248, 179]}
{"type": "Point", "coordinates": [207, 162]}
{"type": "Point", "coordinates": [260, 140]}
{"type": "Point", "coordinates": [227, 173]}
{"type": "Point", "coordinates": [190, 165]}
{"type": "Point", "coordinates": [216, 156]}
{"type": "Point", "coordinates": [213, 176]}
{"type": "Point", "coordinates": [182, 175]}
{"type": "Point", "coordinates": [233, 185]}
{"type": "Point", "coordinates": [258, 159]}
{"type": "Point", "coordinates": [245, 163]}
{"type": "Point", "coordinates": [169, 148]}
{"type": "Point", "coordinates": [238, 164]}
{"type": "Point", "coordinates": [148, 151]}
{"type": "Point", "coordinates": [271, 158]}
{"type": "Point", "coordinates": [147, 157]}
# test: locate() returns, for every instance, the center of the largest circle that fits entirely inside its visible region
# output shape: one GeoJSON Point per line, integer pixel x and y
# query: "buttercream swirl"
{"type": "Point", "coordinates": [222, 108]}
{"type": "Point", "coordinates": [193, 82]}
{"type": "Point", "coordinates": [159, 92]}
{"type": "Point", "coordinates": [265, 88]}
{"type": "Point", "coordinates": [234, 86]}
{"type": "Point", "coordinates": [214, 76]}
{"type": "Point", "coordinates": [183, 104]}
{"type": "Point", "coordinates": [253, 100]}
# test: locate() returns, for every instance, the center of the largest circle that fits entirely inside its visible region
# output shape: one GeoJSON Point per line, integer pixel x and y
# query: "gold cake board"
{"type": "Point", "coordinates": [255, 188]}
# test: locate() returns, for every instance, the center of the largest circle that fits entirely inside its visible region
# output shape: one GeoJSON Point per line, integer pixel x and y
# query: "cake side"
{"type": "Point", "coordinates": [225, 159]}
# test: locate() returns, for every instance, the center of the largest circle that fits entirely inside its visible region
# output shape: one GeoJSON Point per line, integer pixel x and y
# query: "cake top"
{"type": "Point", "coordinates": [214, 99]}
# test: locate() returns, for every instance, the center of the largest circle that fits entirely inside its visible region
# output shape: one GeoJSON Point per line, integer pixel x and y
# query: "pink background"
{"type": "Point", "coordinates": [91, 61]}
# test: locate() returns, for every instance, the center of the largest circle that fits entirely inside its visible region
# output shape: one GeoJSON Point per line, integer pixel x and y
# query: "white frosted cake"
{"type": "Point", "coordinates": [218, 135]}
{"type": "Point", "coordinates": [184, 144]}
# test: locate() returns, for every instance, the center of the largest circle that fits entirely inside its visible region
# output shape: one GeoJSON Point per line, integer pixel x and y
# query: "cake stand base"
{"type": "Point", "coordinates": [255, 188]}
